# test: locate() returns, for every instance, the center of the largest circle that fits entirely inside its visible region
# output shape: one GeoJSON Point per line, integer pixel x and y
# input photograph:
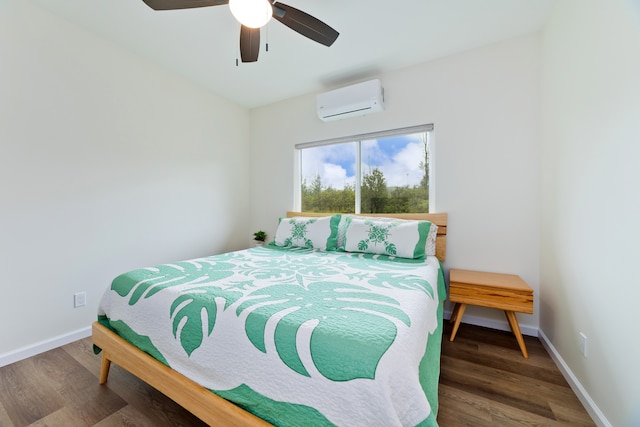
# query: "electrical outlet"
{"type": "Point", "coordinates": [79, 299]}
{"type": "Point", "coordinates": [583, 345]}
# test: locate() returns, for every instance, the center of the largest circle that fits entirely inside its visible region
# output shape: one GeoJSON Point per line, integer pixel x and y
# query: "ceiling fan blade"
{"type": "Point", "coordinates": [305, 24]}
{"type": "Point", "coordinates": [182, 4]}
{"type": "Point", "coordinates": [249, 44]}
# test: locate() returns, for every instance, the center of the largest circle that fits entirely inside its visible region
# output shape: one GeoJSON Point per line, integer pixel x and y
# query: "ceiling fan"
{"type": "Point", "coordinates": [253, 14]}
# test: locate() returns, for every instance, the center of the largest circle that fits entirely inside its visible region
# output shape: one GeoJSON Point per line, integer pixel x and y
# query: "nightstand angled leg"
{"type": "Point", "coordinates": [515, 328]}
{"type": "Point", "coordinates": [458, 312]}
{"type": "Point", "coordinates": [454, 313]}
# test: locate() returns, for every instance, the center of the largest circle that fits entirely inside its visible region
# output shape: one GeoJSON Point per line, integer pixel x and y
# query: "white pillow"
{"type": "Point", "coordinates": [430, 246]}
{"type": "Point", "coordinates": [308, 232]}
{"type": "Point", "coordinates": [405, 239]}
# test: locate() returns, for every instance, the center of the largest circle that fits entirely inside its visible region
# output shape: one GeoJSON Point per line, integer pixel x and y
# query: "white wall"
{"type": "Point", "coordinates": [107, 163]}
{"type": "Point", "coordinates": [485, 107]}
{"type": "Point", "coordinates": [590, 204]}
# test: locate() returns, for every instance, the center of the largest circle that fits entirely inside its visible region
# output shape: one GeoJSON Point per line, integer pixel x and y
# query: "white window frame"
{"type": "Point", "coordinates": [297, 181]}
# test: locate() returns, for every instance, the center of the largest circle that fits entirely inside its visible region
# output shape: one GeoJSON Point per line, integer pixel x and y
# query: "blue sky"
{"type": "Point", "coordinates": [397, 157]}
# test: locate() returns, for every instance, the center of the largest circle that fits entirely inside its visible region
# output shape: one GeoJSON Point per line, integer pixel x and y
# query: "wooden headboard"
{"type": "Point", "coordinates": [439, 219]}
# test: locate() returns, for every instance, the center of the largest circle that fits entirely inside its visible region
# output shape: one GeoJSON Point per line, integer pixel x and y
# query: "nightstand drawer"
{"type": "Point", "coordinates": [489, 296]}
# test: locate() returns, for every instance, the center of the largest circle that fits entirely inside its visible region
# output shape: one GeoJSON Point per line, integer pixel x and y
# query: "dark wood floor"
{"type": "Point", "coordinates": [485, 381]}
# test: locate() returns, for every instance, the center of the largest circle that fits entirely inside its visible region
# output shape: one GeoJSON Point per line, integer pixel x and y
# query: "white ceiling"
{"type": "Point", "coordinates": [375, 37]}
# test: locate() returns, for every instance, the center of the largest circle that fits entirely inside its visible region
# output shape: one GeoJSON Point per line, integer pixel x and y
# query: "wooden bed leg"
{"type": "Point", "coordinates": [104, 368]}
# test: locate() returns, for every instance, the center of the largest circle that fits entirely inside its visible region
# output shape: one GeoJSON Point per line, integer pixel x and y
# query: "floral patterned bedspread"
{"type": "Point", "coordinates": [296, 336]}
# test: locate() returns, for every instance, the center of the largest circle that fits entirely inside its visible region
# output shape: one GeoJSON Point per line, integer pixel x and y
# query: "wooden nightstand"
{"type": "Point", "coordinates": [506, 292]}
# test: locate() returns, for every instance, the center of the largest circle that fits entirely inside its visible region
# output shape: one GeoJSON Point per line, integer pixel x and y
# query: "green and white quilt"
{"type": "Point", "coordinates": [295, 336]}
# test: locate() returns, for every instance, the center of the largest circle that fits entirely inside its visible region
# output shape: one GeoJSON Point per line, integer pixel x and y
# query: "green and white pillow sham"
{"type": "Point", "coordinates": [405, 239]}
{"type": "Point", "coordinates": [430, 245]}
{"type": "Point", "coordinates": [305, 232]}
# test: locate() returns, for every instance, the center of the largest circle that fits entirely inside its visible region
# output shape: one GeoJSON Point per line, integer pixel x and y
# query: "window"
{"type": "Point", "coordinates": [384, 172]}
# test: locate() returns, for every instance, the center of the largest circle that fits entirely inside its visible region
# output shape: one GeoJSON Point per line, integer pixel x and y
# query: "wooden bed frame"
{"type": "Point", "coordinates": [201, 402]}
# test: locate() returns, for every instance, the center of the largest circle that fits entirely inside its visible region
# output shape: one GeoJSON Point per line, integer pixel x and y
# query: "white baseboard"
{"type": "Point", "coordinates": [41, 347]}
{"type": "Point", "coordinates": [493, 324]}
{"type": "Point", "coordinates": [591, 407]}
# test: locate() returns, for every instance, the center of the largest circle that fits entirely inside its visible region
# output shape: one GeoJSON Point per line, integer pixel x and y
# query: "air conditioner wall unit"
{"type": "Point", "coordinates": [351, 101]}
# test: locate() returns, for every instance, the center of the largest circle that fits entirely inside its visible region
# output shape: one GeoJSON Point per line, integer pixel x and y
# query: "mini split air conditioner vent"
{"type": "Point", "coordinates": [351, 101]}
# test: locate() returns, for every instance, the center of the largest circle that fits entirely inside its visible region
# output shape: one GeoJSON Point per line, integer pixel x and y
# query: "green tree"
{"type": "Point", "coordinates": [400, 199]}
{"type": "Point", "coordinates": [316, 186]}
{"type": "Point", "coordinates": [420, 202]}
{"type": "Point", "coordinates": [318, 198]}
{"type": "Point", "coordinates": [347, 200]}
{"type": "Point", "coordinates": [424, 183]}
{"type": "Point", "coordinates": [374, 196]}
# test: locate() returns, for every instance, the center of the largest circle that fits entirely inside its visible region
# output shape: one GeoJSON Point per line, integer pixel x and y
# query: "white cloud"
{"type": "Point", "coordinates": [322, 161]}
{"type": "Point", "coordinates": [403, 168]}
{"type": "Point", "coordinates": [335, 176]}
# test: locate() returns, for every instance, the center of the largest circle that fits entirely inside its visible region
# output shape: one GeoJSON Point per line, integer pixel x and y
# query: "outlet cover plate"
{"type": "Point", "coordinates": [584, 349]}
{"type": "Point", "coordinates": [79, 299]}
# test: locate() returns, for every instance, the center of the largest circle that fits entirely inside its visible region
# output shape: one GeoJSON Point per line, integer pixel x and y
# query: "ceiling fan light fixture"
{"type": "Point", "coordinates": [251, 13]}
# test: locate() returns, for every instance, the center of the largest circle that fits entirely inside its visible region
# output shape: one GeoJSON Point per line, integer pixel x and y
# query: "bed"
{"type": "Point", "coordinates": [290, 334]}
